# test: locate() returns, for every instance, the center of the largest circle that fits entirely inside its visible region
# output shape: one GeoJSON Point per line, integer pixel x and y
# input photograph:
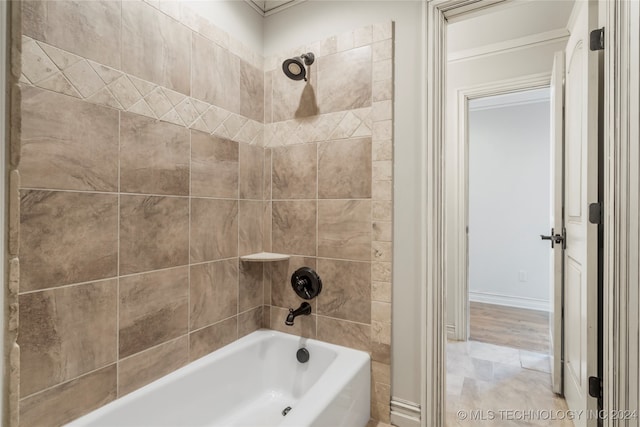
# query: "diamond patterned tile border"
{"type": "Point", "coordinates": [50, 68]}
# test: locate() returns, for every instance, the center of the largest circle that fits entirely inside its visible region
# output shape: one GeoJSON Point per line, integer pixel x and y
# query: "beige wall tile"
{"type": "Point", "coordinates": [154, 156]}
{"type": "Point", "coordinates": [268, 97]}
{"type": "Point", "coordinates": [214, 166]}
{"type": "Point", "coordinates": [380, 373]}
{"type": "Point", "coordinates": [381, 291]}
{"type": "Point", "coordinates": [344, 229]}
{"type": "Point", "coordinates": [282, 294]}
{"type": "Point", "coordinates": [382, 190]}
{"type": "Point", "coordinates": [381, 352]}
{"type": "Point", "coordinates": [251, 92]}
{"type": "Point", "coordinates": [251, 173]}
{"type": "Point", "coordinates": [266, 316]}
{"type": "Point", "coordinates": [206, 79]}
{"type": "Point", "coordinates": [155, 47]}
{"type": "Point", "coordinates": [381, 331]}
{"type": "Point", "coordinates": [54, 249]}
{"type": "Point", "coordinates": [154, 233]}
{"type": "Point", "coordinates": [66, 402]}
{"type": "Point", "coordinates": [249, 321]}
{"type": "Point", "coordinates": [67, 144]}
{"type": "Point", "coordinates": [267, 173]}
{"type": "Point", "coordinates": [383, 50]}
{"type": "Point", "coordinates": [214, 292]}
{"type": "Point", "coordinates": [250, 225]}
{"type": "Point", "coordinates": [211, 338]}
{"type": "Point", "coordinates": [362, 36]}
{"type": "Point", "coordinates": [36, 65]}
{"type": "Point", "coordinates": [382, 231]}
{"type": "Point", "coordinates": [294, 99]}
{"type": "Point", "coordinates": [267, 283]}
{"type": "Point", "coordinates": [342, 332]}
{"type": "Point", "coordinates": [294, 227]}
{"type": "Point", "coordinates": [344, 80]}
{"type": "Point", "coordinates": [382, 31]}
{"type": "Point", "coordinates": [328, 46]}
{"type": "Point", "coordinates": [345, 41]}
{"type": "Point", "coordinates": [382, 150]}
{"type": "Point", "coordinates": [251, 289]}
{"type": "Point", "coordinates": [382, 90]}
{"type": "Point", "coordinates": [382, 210]}
{"type": "Point", "coordinates": [382, 110]}
{"type": "Point", "coordinates": [295, 172]}
{"type": "Point", "coordinates": [303, 326]}
{"type": "Point", "coordinates": [214, 229]}
{"type": "Point", "coordinates": [381, 311]}
{"type": "Point", "coordinates": [381, 271]}
{"type": "Point", "coordinates": [266, 223]}
{"type": "Point", "coordinates": [344, 169]}
{"type": "Point", "coordinates": [66, 25]}
{"type": "Point", "coordinates": [383, 130]}
{"type": "Point", "coordinates": [154, 308]}
{"type": "Point", "coordinates": [346, 290]}
{"type": "Point", "coordinates": [382, 70]}
{"type": "Point", "coordinates": [381, 251]}
{"type": "Point", "coordinates": [65, 333]}
{"type": "Point", "coordinates": [149, 365]}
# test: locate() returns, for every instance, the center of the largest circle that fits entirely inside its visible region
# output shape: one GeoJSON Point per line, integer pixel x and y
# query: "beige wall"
{"type": "Point", "coordinates": [329, 149]}
{"type": "Point", "coordinates": [141, 185]}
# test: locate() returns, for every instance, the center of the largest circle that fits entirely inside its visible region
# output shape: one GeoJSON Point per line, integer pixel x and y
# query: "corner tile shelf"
{"type": "Point", "coordinates": [264, 257]}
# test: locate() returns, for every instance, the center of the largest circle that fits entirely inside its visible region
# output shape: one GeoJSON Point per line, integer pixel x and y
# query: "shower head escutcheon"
{"type": "Point", "coordinates": [295, 68]}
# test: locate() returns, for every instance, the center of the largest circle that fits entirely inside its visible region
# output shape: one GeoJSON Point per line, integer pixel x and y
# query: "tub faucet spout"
{"type": "Point", "coordinates": [304, 309]}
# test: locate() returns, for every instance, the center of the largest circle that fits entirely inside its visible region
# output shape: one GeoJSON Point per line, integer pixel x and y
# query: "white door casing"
{"type": "Point", "coordinates": [557, 191]}
{"type": "Point", "coordinates": [581, 189]}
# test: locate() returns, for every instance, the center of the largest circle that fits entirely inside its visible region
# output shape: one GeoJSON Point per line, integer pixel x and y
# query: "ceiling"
{"type": "Point", "coordinates": [511, 20]}
{"type": "Point", "coordinates": [268, 7]}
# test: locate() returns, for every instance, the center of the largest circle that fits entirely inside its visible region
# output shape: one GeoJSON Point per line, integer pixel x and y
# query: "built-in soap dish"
{"type": "Point", "coordinates": [264, 257]}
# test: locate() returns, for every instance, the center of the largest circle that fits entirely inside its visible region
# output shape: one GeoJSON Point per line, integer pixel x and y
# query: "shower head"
{"type": "Point", "coordinates": [295, 69]}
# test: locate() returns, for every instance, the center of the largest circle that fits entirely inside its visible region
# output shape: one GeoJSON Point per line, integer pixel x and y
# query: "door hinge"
{"type": "Point", "coordinates": [595, 387]}
{"type": "Point", "coordinates": [595, 213]}
{"type": "Point", "coordinates": [596, 39]}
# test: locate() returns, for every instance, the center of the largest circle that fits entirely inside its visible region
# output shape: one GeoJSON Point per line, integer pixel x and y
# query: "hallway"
{"type": "Point", "coordinates": [504, 366]}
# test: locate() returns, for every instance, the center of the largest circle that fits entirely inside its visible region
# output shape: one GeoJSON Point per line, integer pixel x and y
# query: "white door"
{"type": "Point", "coordinates": [581, 189]}
{"type": "Point", "coordinates": [557, 220]}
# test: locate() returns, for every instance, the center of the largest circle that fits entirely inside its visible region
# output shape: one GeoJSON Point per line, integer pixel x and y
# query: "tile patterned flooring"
{"type": "Point", "coordinates": [489, 377]}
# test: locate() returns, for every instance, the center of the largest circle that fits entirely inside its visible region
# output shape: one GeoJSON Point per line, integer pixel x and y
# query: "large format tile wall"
{"type": "Point", "coordinates": [138, 179]}
{"type": "Point", "coordinates": [328, 198]}
{"type": "Point", "coordinates": [140, 165]}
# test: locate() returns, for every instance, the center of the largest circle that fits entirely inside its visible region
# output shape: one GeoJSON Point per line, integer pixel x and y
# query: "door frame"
{"type": "Point", "coordinates": [620, 323]}
{"type": "Point", "coordinates": [460, 263]}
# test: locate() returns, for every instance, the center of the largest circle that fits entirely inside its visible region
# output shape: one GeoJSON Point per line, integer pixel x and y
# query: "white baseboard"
{"type": "Point", "coordinates": [404, 413]}
{"type": "Point", "coordinates": [510, 301]}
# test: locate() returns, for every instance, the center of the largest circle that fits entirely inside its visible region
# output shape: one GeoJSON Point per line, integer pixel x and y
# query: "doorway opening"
{"type": "Point", "coordinates": [509, 205]}
{"type": "Point", "coordinates": [499, 197]}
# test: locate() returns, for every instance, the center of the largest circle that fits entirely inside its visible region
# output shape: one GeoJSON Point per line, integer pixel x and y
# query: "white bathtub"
{"type": "Point", "coordinates": [249, 383]}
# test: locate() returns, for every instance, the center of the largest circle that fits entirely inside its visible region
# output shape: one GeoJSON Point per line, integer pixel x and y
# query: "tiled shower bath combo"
{"type": "Point", "coordinates": [150, 152]}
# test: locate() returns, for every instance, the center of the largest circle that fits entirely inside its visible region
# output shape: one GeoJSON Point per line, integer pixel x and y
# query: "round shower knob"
{"type": "Point", "coordinates": [306, 283]}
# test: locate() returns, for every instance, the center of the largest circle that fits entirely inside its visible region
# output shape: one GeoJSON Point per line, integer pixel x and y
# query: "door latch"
{"type": "Point", "coordinates": [556, 239]}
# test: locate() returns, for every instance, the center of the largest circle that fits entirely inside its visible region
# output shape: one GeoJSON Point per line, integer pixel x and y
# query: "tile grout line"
{"type": "Point", "coordinates": [118, 261]}
{"type": "Point", "coordinates": [84, 374]}
{"type": "Point", "coordinates": [189, 250]}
